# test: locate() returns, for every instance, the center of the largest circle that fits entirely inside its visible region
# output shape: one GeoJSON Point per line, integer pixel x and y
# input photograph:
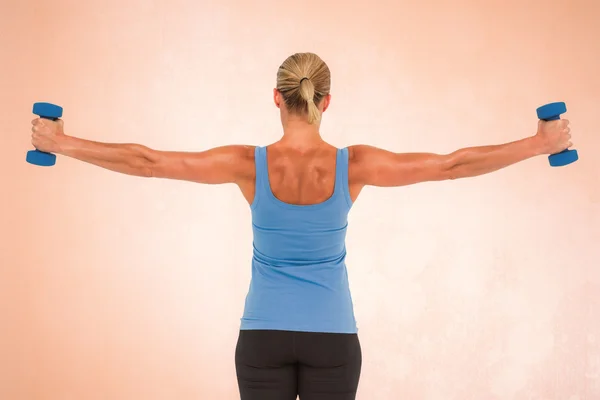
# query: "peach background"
{"type": "Point", "coordinates": [115, 287]}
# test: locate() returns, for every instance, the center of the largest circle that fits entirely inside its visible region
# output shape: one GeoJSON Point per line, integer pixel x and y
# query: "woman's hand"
{"type": "Point", "coordinates": [554, 136]}
{"type": "Point", "coordinates": [47, 134]}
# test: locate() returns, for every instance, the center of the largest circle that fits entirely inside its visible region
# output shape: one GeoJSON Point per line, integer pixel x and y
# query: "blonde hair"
{"type": "Point", "coordinates": [303, 80]}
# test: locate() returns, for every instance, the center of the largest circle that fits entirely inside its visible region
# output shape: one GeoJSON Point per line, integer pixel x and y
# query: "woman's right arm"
{"type": "Point", "coordinates": [226, 164]}
{"type": "Point", "coordinates": [377, 167]}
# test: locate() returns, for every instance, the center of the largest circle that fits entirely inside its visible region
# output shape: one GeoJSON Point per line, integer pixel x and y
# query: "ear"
{"type": "Point", "coordinates": [325, 102]}
{"type": "Point", "coordinates": [277, 98]}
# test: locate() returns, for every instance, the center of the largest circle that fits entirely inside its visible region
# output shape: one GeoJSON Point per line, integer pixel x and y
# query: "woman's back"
{"type": "Point", "coordinates": [299, 219]}
{"type": "Point", "coordinates": [302, 177]}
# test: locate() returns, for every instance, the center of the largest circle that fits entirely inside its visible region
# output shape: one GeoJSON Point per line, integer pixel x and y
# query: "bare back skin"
{"type": "Point", "coordinates": [302, 177]}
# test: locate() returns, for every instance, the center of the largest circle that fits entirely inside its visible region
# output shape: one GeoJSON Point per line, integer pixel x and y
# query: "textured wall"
{"type": "Point", "coordinates": [120, 288]}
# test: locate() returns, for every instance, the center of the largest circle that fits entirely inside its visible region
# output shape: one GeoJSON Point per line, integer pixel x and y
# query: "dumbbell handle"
{"type": "Point", "coordinates": [552, 118]}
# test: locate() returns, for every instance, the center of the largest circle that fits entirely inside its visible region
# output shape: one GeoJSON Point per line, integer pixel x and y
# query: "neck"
{"type": "Point", "coordinates": [300, 134]}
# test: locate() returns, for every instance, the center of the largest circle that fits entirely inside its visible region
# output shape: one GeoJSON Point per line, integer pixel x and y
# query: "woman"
{"type": "Point", "coordinates": [298, 334]}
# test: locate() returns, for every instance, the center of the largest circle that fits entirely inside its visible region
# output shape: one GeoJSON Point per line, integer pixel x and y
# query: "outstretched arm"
{"type": "Point", "coordinates": [376, 167]}
{"type": "Point", "coordinates": [227, 164]}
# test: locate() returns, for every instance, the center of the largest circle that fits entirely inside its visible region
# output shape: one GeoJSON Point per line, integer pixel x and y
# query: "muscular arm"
{"type": "Point", "coordinates": [227, 164]}
{"type": "Point", "coordinates": [377, 167]}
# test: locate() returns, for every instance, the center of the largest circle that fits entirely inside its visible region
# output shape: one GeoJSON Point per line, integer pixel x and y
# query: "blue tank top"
{"type": "Point", "coordinates": [299, 278]}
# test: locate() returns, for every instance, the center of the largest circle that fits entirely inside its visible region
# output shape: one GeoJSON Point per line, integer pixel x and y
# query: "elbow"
{"type": "Point", "coordinates": [147, 172]}
{"type": "Point", "coordinates": [150, 168]}
{"type": "Point", "coordinates": [457, 166]}
{"type": "Point", "coordinates": [450, 169]}
{"type": "Point", "coordinates": [145, 162]}
{"type": "Point", "coordinates": [454, 173]}
{"type": "Point", "coordinates": [142, 168]}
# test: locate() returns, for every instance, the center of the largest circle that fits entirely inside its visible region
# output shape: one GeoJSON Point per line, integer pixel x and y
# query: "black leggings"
{"type": "Point", "coordinates": [280, 365]}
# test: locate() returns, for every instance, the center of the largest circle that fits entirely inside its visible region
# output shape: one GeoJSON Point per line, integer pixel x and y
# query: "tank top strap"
{"type": "Point", "coordinates": [260, 162]}
{"type": "Point", "coordinates": [341, 175]}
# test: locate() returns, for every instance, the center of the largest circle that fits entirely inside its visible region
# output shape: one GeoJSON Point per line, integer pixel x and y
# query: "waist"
{"type": "Point", "coordinates": [307, 259]}
{"type": "Point", "coordinates": [313, 298]}
{"type": "Point", "coordinates": [293, 311]}
{"type": "Point", "coordinates": [294, 245]}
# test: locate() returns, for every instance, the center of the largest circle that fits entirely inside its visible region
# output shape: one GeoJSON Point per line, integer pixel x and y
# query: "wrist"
{"type": "Point", "coordinates": [64, 144]}
{"type": "Point", "coordinates": [537, 145]}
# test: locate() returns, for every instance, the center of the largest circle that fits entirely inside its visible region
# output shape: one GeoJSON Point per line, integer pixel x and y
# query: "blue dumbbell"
{"type": "Point", "coordinates": [551, 112]}
{"type": "Point", "coordinates": [47, 111]}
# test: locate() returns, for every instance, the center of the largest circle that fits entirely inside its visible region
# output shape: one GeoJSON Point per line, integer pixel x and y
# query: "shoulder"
{"type": "Point", "coordinates": [360, 152]}
{"type": "Point", "coordinates": [365, 161]}
{"type": "Point", "coordinates": [242, 158]}
{"type": "Point", "coordinates": [235, 153]}
{"type": "Point", "coordinates": [241, 151]}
